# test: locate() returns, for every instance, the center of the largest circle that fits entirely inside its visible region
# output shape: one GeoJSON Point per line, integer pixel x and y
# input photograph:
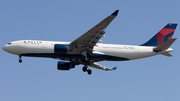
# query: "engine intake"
{"type": "Point", "coordinates": [63, 65]}
{"type": "Point", "coordinates": [62, 49]}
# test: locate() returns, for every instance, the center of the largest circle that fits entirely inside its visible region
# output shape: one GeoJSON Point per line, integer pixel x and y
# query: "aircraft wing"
{"type": "Point", "coordinates": [98, 66]}
{"type": "Point", "coordinates": [87, 41]}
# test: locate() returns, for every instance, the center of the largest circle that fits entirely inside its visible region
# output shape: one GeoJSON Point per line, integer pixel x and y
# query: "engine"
{"type": "Point", "coordinates": [62, 49]}
{"type": "Point", "coordinates": [62, 65]}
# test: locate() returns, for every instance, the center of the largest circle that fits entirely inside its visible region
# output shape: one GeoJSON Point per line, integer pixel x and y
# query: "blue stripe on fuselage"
{"type": "Point", "coordinates": [94, 56]}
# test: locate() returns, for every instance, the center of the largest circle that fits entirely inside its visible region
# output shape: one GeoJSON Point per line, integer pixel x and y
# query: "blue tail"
{"type": "Point", "coordinates": [162, 36]}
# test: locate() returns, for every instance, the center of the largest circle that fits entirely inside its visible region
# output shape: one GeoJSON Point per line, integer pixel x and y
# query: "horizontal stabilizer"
{"type": "Point", "coordinates": [164, 45]}
{"type": "Point", "coordinates": [167, 54]}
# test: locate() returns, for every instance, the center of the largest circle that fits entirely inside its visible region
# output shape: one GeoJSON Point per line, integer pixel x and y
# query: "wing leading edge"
{"type": "Point", "coordinates": [88, 40]}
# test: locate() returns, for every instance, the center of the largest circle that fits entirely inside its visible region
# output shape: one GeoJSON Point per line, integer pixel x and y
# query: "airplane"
{"type": "Point", "coordinates": [87, 51]}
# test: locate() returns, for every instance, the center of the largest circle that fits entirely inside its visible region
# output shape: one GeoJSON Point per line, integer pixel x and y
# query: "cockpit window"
{"type": "Point", "coordinates": [9, 43]}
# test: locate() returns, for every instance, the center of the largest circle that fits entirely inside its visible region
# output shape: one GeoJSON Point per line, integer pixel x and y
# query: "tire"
{"type": "Point", "coordinates": [20, 60]}
{"type": "Point", "coordinates": [89, 72]}
{"type": "Point", "coordinates": [84, 69]}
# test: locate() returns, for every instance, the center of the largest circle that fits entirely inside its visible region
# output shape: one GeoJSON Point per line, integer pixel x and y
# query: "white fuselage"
{"type": "Point", "coordinates": [126, 51]}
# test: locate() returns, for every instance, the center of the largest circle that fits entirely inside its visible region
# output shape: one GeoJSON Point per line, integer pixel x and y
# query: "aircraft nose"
{"type": "Point", "coordinates": [10, 48]}
{"type": "Point", "coordinates": [4, 47]}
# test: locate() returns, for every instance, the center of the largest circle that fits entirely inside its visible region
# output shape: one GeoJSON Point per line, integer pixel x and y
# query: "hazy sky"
{"type": "Point", "coordinates": [37, 79]}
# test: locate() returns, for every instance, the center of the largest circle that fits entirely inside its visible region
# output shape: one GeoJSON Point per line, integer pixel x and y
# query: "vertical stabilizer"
{"type": "Point", "coordinates": [162, 36]}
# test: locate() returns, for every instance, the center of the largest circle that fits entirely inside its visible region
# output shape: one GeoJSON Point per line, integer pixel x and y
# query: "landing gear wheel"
{"type": "Point", "coordinates": [89, 71]}
{"type": "Point", "coordinates": [20, 60]}
{"type": "Point", "coordinates": [84, 69]}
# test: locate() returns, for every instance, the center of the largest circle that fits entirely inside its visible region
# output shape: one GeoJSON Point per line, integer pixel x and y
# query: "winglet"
{"type": "Point", "coordinates": [114, 68]}
{"type": "Point", "coordinates": [115, 13]}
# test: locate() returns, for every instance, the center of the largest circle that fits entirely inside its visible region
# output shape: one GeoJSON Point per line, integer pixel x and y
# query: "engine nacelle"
{"type": "Point", "coordinates": [63, 65]}
{"type": "Point", "coordinates": [62, 49]}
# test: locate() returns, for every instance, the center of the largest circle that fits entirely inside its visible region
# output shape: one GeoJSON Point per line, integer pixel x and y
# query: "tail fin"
{"type": "Point", "coordinates": [162, 36]}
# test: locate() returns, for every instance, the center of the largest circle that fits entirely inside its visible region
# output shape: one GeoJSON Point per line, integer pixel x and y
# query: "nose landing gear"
{"type": "Point", "coordinates": [20, 60]}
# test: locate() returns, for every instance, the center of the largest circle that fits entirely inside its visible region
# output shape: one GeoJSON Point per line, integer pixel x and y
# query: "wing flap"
{"type": "Point", "coordinates": [98, 66]}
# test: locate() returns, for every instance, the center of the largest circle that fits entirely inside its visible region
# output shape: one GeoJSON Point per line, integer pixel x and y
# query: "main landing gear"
{"type": "Point", "coordinates": [86, 69]}
{"type": "Point", "coordinates": [86, 62]}
{"type": "Point", "coordinates": [20, 60]}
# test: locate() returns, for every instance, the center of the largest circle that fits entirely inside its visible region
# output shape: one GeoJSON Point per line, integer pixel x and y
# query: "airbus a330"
{"type": "Point", "coordinates": [87, 51]}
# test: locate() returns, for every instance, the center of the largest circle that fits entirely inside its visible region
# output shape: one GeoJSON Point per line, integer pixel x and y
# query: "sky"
{"type": "Point", "coordinates": [155, 78]}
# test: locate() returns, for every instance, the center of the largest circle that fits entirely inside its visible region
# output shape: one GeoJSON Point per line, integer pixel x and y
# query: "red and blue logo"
{"type": "Point", "coordinates": [162, 36]}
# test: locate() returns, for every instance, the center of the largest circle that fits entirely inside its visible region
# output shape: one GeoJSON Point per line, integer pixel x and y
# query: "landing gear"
{"type": "Point", "coordinates": [20, 60]}
{"type": "Point", "coordinates": [86, 69]}
{"type": "Point", "coordinates": [89, 71]}
{"type": "Point", "coordinates": [86, 62]}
